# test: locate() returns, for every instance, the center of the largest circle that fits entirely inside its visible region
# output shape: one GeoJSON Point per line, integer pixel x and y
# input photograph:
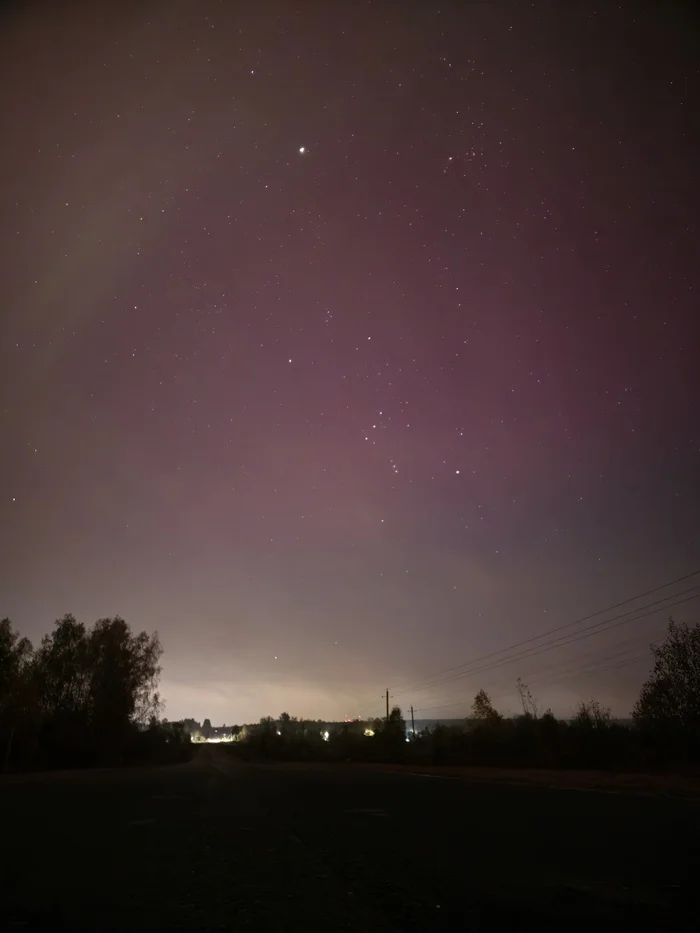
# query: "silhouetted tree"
{"type": "Point", "coordinates": [377, 725]}
{"type": "Point", "coordinates": [15, 659]}
{"type": "Point", "coordinates": [15, 652]}
{"type": "Point", "coordinates": [123, 672]}
{"type": "Point", "coordinates": [85, 694]}
{"type": "Point", "coordinates": [527, 700]}
{"type": "Point", "coordinates": [592, 715]}
{"type": "Point", "coordinates": [483, 709]}
{"type": "Point", "coordinates": [61, 670]}
{"type": "Point", "coordinates": [284, 721]}
{"type": "Point", "coordinates": [396, 724]}
{"type": "Point", "coordinates": [95, 685]}
{"type": "Point", "coordinates": [668, 709]}
{"type": "Point", "coordinates": [392, 735]}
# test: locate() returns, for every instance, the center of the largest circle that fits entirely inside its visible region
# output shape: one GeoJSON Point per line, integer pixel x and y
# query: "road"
{"type": "Point", "coordinates": [216, 844]}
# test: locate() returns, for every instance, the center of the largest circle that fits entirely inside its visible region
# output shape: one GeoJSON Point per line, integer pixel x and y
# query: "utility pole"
{"type": "Point", "coordinates": [387, 704]}
{"type": "Point", "coordinates": [413, 725]}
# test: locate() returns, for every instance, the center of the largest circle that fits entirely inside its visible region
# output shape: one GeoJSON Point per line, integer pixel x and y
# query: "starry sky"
{"type": "Point", "coordinates": [346, 343]}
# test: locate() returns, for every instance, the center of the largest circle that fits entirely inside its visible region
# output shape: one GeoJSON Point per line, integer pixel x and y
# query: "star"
{"type": "Point", "coordinates": [352, 266]}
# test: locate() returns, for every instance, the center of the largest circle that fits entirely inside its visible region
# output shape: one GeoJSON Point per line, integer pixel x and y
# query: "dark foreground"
{"type": "Point", "coordinates": [219, 845]}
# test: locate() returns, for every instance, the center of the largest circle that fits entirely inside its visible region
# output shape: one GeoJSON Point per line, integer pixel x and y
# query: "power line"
{"type": "Point", "coordinates": [599, 654]}
{"type": "Point", "coordinates": [656, 589]}
{"type": "Point", "coordinates": [588, 666]}
{"type": "Point", "coordinates": [567, 640]}
{"type": "Point", "coordinates": [412, 685]}
{"type": "Point", "coordinates": [582, 666]}
{"type": "Point", "coordinates": [595, 670]}
{"type": "Point", "coordinates": [556, 677]}
{"type": "Point", "coordinates": [573, 672]}
{"type": "Point", "coordinates": [591, 665]}
{"type": "Point", "coordinates": [600, 670]}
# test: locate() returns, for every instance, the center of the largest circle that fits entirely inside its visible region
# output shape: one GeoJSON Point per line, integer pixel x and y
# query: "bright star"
{"type": "Point", "coordinates": [302, 149]}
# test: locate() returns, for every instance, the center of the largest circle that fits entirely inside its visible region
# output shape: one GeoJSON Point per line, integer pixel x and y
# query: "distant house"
{"type": "Point", "coordinates": [224, 734]}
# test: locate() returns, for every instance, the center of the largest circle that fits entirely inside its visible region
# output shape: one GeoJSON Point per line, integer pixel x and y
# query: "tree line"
{"type": "Point", "coordinates": [89, 695]}
{"type": "Point", "coordinates": [664, 732]}
{"type": "Point", "coordinates": [84, 696]}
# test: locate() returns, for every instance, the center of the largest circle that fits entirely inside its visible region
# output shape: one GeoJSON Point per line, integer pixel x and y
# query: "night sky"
{"type": "Point", "coordinates": [349, 343]}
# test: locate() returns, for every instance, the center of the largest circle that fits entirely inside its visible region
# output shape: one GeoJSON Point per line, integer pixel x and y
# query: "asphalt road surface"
{"type": "Point", "coordinates": [216, 844]}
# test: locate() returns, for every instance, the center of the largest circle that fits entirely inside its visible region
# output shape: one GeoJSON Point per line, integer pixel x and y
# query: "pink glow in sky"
{"type": "Point", "coordinates": [345, 344]}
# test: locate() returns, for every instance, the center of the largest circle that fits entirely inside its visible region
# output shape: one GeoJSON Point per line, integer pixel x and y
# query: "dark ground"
{"type": "Point", "coordinates": [220, 845]}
